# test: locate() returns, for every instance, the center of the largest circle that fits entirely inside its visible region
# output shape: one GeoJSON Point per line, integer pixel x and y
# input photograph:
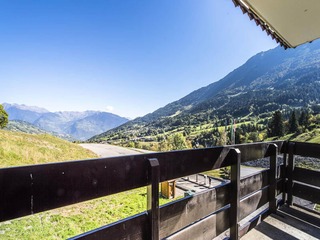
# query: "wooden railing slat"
{"type": "Point", "coordinates": [307, 149]}
{"type": "Point", "coordinates": [133, 228]}
{"type": "Point", "coordinates": [307, 176]}
{"type": "Point", "coordinates": [253, 202]}
{"type": "Point", "coordinates": [306, 192]}
{"type": "Point", "coordinates": [182, 213]}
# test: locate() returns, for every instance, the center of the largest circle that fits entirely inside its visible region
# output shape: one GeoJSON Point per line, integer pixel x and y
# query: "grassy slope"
{"type": "Point", "coordinates": [18, 149]}
{"type": "Point", "coordinates": [310, 136]}
{"type": "Point", "coordinates": [22, 149]}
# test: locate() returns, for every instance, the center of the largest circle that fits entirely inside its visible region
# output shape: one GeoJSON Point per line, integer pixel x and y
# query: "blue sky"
{"type": "Point", "coordinates": [129, 57]}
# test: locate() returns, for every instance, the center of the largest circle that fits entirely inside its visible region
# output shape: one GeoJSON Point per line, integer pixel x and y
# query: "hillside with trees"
{"type": "Point", "coordinates": [279, 80]}
{"type": "Point", "coordinates": [3, 117]}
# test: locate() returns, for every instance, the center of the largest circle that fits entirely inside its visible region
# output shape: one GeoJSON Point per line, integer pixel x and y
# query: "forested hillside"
{"type": "Point", "coordinates": [278, 79]}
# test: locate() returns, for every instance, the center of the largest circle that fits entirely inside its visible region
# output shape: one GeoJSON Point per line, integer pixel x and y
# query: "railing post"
{"type": "Point", "coordinates": [272, 194]}
{"type": "Point", "coordinates": [235, 156]}
{"type": "Point", "coordinates": [289, 172]}
{"type": "Point", "coordinates": [284, 172]}
{"type": "Point", "coordinates": [153, 198]}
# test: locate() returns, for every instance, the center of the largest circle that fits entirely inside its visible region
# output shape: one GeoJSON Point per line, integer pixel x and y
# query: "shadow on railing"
{"type": "Point", "coordinates": [31, 189]}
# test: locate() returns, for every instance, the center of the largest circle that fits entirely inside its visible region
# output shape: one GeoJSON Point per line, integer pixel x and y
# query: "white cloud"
{"type": "Point", "coordinates": [109, 108]}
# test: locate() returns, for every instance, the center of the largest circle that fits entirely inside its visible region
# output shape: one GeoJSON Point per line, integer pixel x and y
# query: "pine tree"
{"type": "Point", "coordinates": [302, 118]}
{"type": "Point", "coordinates": [276, 126]}
{"type": "Point", "coordinates": [293, 123]}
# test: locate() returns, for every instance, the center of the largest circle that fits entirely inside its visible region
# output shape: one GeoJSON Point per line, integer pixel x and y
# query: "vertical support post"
{"type": "Point", "coordinates": [284, 173]}
{"type": "Point", "coordinates": [289, 172]}
{"type": "Point", "coordinates": [153, 198]}
{"type": "Point", "coordinates": [235, 157]}
{"type": "Point", "coordinates": [272, 193]}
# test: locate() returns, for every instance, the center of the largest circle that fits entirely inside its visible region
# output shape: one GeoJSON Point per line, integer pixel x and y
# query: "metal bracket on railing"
{"type": "Point", "coordinates": [235, 157]}
{"type": "Point", "coordinates": [153, 198]}
{"type": "Point", "coordinates": [273, 175]}
{"type": "Point", "coordinates": [289, 172]}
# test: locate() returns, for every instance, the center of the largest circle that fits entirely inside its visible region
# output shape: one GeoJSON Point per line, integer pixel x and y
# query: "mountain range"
{"type": "Point", "coordinates": [78, 125]}
{"type": "Point", "coordinates": [26, 127]}
{"type": "Point", "coordinates": [271, 80]}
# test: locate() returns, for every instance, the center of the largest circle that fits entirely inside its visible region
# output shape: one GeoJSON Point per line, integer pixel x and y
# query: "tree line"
{"type": "Point", "coordinates": [3, 117]}
{"type": "Point", "coordinates": [297, 123]}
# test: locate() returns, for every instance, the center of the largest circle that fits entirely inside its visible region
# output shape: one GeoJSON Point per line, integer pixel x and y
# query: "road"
{"type": "Point", "coordinates": [107, 150]}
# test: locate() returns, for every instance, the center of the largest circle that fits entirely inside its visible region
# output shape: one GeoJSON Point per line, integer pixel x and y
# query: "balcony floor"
{"type": "Point", "coordinates": [289, 223]}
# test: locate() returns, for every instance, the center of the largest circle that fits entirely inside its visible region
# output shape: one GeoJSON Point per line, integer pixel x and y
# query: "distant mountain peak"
{"type": "Point", "coordinates": [80, 125]}
{"type": "Point", "coordinates": [25, 107]}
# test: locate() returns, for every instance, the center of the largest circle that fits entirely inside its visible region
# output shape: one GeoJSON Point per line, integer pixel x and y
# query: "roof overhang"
{"type": "Point", "coordinates": [289, 22]}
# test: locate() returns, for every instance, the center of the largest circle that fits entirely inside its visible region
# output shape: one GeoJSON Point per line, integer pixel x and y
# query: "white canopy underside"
{"type": "Point", "coordinates": [294, 21]}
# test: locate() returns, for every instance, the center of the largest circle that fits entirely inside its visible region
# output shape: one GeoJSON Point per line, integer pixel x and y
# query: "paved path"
{"type": "Point", "coordinates": [246, 171]}
{"type": "Point", "coordinates": [107, 150]}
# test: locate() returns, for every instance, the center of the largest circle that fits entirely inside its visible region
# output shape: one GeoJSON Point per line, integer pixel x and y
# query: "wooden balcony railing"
{"type": "Point", "coordinates": [32, 189]}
